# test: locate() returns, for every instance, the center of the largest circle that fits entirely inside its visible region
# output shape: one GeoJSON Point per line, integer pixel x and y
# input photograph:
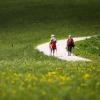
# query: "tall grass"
{"type": "Point", "coordinates": [28, 74]}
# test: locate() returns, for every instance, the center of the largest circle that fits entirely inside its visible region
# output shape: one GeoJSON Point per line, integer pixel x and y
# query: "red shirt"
{"type": "Point", "coordinates": [70, 41]}
{"type": "Point", "coordinates": [53, 44]}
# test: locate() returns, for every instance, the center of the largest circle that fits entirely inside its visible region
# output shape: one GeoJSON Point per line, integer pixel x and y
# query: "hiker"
{"type": "Point", "coordinates": [70, 44]}
{"type": "Point", "coordinates": [52, 44]}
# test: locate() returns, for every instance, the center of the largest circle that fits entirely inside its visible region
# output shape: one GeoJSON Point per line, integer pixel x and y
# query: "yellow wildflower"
{"type": "Point", "coordinates": [51, 73]}
{"type": "Point", "coordinates": [86, 76]}
{"type": "Point", "coordinates": [63, 78]}
{"type": "Point", "coordinates": [59, 68]}
{"type": "Point", "coordinates": [30, 77]}
{"type": "Point", "coordinates": [15, 74]}
{"type": "Point", "coordinates": [43, 78]}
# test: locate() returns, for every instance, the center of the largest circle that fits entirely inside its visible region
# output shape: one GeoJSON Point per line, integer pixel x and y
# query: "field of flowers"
{"type": "Point", "coordinates": [52, 80]}
{"type": "Point", "coordinates": [25, 73]}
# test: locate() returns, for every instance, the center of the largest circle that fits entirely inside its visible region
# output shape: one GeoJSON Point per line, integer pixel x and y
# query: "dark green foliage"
{"type": "Point", "coordinates": [25, 73]}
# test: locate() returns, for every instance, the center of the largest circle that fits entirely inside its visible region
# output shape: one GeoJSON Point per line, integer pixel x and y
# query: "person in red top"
{"type": "Point", "coordinates": [70, 44]}
{"type": "Point", "coordinates": [52, 44]}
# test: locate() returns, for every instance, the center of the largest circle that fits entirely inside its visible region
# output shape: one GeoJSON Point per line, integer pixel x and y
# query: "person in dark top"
{"type": "Point", "coordinates": [70, 45]}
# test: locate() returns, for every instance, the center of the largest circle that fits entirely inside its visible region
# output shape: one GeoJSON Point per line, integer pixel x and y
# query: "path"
{"type": "Point", "coordinates": [61, 50]}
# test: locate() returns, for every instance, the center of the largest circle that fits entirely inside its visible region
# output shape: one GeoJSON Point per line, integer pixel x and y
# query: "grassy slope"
{"type": "Point", "coordinates": [89, 48]}
{"type": "Point", "coordinates": [24, 71]}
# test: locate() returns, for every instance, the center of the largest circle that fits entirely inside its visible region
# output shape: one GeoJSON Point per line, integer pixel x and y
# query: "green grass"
{"type": "Point", "coordinates": [26, 73]}
{"type": "Point", "coordinates": [89, 48]}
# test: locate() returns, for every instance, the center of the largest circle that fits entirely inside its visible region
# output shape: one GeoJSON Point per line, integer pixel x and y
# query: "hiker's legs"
{"type": "Point", "coordinates": [69, 50]}
{"type": "Point", "coordinates": [53, 51]}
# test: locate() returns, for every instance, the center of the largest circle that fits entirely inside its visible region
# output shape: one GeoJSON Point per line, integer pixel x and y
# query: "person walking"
{"type": "Point", "coordinates": [52, 45]}
{"type": "Point", "coordinates": [70, 44]}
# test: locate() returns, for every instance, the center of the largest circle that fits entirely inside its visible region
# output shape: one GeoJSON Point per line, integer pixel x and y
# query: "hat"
{"type": "Point", "coordinates": [69, 36]}
{"type": "Point", "coordinates": [52, 35]}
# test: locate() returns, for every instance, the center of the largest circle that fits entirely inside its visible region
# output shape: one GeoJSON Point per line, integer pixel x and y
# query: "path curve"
{"type": "Point", "coordinates": [61, 50]}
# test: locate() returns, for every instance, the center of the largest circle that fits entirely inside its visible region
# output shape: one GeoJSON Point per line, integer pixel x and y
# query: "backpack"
{"type": "Point", "coordinates": [53, 44]}
{"type": "Point", "coordinates": [70, 42]}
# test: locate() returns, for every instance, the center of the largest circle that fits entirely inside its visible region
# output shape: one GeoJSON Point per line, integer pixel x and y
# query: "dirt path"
{"type": "Point", "coordinates": [61, 50]}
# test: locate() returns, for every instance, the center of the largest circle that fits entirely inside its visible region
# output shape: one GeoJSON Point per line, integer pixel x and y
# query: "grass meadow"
{"type": "Point", "coordinates": [25, 73]}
